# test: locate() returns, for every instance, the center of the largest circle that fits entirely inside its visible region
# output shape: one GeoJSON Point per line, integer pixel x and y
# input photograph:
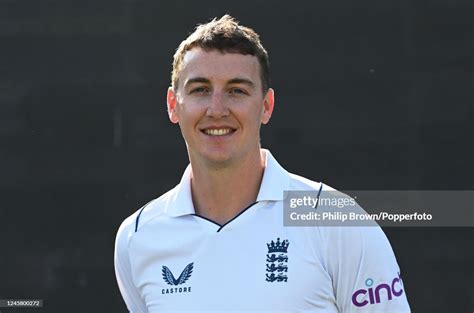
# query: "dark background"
{"type": "Point", "coordinates": [370, 95]}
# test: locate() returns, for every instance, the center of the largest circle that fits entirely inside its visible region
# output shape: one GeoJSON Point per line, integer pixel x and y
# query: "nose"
{"type": "Point", "coordinates": [217, 107]}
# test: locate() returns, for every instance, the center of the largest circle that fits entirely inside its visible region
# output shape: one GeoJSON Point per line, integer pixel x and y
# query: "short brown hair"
{"type": "Point", "coordinates": [226, 35]}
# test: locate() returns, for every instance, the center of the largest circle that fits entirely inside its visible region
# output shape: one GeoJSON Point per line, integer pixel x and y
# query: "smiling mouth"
{"type": "Point", "coordinates": [218, 131]}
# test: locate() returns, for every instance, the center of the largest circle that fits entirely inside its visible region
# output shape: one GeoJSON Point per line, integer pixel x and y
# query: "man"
{"type": "Point", "coordinates": [216, 242]}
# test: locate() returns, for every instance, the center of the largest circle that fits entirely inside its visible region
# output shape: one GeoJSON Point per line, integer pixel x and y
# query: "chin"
{"type": "Point", "coordinates": [218, 158]}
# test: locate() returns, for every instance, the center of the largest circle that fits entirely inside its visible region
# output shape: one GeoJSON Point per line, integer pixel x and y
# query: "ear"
{"type": "Point", "coordinates": [268, 103]}
{"type": "Point", "coordinates": [172, 106]}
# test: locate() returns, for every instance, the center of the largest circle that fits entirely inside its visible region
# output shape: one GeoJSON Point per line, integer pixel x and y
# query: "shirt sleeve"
{"type": "Point", "coordinates": [123, 272]}
{"type": "Point", "coordinates": [365, 273]}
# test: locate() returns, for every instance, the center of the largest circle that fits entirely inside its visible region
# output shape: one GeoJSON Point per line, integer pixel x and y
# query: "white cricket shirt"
{"type": "Point", "coordinates": [167, 259]}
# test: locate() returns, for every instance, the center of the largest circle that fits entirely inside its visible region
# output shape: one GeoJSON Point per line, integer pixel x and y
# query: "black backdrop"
{"type": "Point", "coordinates": [370, 95]}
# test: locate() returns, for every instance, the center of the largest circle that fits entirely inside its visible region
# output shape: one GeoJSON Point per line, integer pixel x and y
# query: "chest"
{"type": "Point", "coordinates": [245, 267]}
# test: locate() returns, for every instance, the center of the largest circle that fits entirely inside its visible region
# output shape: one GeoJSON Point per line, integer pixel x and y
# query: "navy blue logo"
{"type": "Point", "coordinates": [170, 280]}
{"type": "Point", "coordinates": [276, 261]}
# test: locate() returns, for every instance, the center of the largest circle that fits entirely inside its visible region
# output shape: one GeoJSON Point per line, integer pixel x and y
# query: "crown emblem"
{"type": "Point", "coordinates": [278, 246]}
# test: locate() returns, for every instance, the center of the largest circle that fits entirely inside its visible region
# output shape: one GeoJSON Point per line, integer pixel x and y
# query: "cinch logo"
{"type": "Point", "coordinates": [170, 280]}
{"type": "Point", "coordinates": [394, 289]}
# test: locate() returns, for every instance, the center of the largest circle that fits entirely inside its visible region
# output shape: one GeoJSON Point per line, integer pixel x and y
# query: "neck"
{"type": "Point", "coordinates": [221, 193]}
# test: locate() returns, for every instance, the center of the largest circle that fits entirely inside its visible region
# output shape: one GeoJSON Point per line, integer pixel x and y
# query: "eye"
{"type": "Point", "coordinates": [238, 91]}
{"type": "Point", "coordinates": [199, 90]}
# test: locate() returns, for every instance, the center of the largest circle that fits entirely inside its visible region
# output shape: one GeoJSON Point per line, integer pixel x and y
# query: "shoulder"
{"type": "Point", "coordinates": [336, 203]}
{"type": "Point", "coordinates": [304, 184]}
{"type": "Point", "coordinates": [142, 216]}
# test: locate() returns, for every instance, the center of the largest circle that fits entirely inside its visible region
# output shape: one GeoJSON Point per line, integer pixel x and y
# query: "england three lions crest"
{"type": "Point", "coordinates": [277, 259]}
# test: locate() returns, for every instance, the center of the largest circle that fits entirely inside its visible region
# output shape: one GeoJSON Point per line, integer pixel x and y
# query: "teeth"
{"type": "Point", "coordinates": [217, 132]}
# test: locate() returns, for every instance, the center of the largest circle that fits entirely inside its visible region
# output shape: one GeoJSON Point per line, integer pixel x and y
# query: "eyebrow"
{"type": "Point", "coordinates": [196, 80]}
{"type": "Point", "coordinates": [242, 81]}
{"type": "Point", "coordinates": [204, 80]}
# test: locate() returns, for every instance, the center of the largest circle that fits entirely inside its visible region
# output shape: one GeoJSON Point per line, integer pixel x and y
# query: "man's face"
{"type": "Point", "coordinates": [219, 105]}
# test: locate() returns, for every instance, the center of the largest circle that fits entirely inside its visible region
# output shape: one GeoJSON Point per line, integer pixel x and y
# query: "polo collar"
{"type": "Point", "coordinates": [181, 200]}
{"type": "Point", "coordinates": [274, 182]}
